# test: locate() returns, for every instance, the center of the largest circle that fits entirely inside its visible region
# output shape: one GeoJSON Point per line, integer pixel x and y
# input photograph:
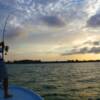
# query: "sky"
{"type": "Point", "coordinates": [51, 29]}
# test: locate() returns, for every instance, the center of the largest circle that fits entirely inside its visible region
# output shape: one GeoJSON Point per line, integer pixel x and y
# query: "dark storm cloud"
{"type": "Point", "coordinates": [53, 21]}
{"type": "Point", "coordinates": [94, 21]}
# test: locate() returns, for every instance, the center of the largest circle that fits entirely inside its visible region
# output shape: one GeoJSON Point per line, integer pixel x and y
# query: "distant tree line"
{"type": "Point", "coordinates": [39, 61]}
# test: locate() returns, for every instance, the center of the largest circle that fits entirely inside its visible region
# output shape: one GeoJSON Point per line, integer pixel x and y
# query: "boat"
{"type": "Point", "coordinates": [20, 93]}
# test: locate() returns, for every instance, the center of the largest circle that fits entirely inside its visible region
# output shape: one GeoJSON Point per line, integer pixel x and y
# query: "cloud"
{"type": "Point", "coordinates": [30, 2]}
{"type": "Point", "coordinates": [91, 7]}
{"type": "Point", "coordinates": [8, 5]}
{"type": "Point", "coordinates": [76, 51]}
{"type": "Point", "coordinates": [4, 7]}
{"type": "Point", "coordinates": [86, 47]}
{"type": "Point", "coordinates": [83, 50]}
{"type": "Point", "coordinates": [94, 50]}
{"type": "Point", "coordinates": [53, 21]}
{"type": "Point", "coordinates": [95, 43]}
{"type": "Point", "coordinates": [48, 10]}
{"type": "Point", "coordinates": [70, 15]}
{"type": "Point", "coordinates": [13, 32]}
{"type": "Point", "coordinates": [94, 21]}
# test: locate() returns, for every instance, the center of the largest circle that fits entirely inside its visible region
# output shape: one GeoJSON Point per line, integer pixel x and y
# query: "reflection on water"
{"type": "Point", "coordinates": [70, 81]}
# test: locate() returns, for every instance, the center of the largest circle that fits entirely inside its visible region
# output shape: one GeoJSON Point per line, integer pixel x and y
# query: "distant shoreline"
{"type": "Point", "coordinates": [43, 62]}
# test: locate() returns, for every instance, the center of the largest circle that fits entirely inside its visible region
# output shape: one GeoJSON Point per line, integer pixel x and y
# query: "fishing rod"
{"type": "Point", "coordinates": [3, 38]}
{"type": "Point", "coordinates": [5, 48]}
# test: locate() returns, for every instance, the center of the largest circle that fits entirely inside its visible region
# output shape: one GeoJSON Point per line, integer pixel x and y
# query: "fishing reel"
{"type": "Point", "coordinates": [6, 49]}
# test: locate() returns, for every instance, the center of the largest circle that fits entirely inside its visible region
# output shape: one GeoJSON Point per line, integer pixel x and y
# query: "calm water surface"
{"type": "Point", "coordinates": [65, 81]}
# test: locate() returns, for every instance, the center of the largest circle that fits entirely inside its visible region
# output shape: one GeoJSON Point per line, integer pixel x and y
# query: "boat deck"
{"type": "Point", "coordinates": [20, 94]}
